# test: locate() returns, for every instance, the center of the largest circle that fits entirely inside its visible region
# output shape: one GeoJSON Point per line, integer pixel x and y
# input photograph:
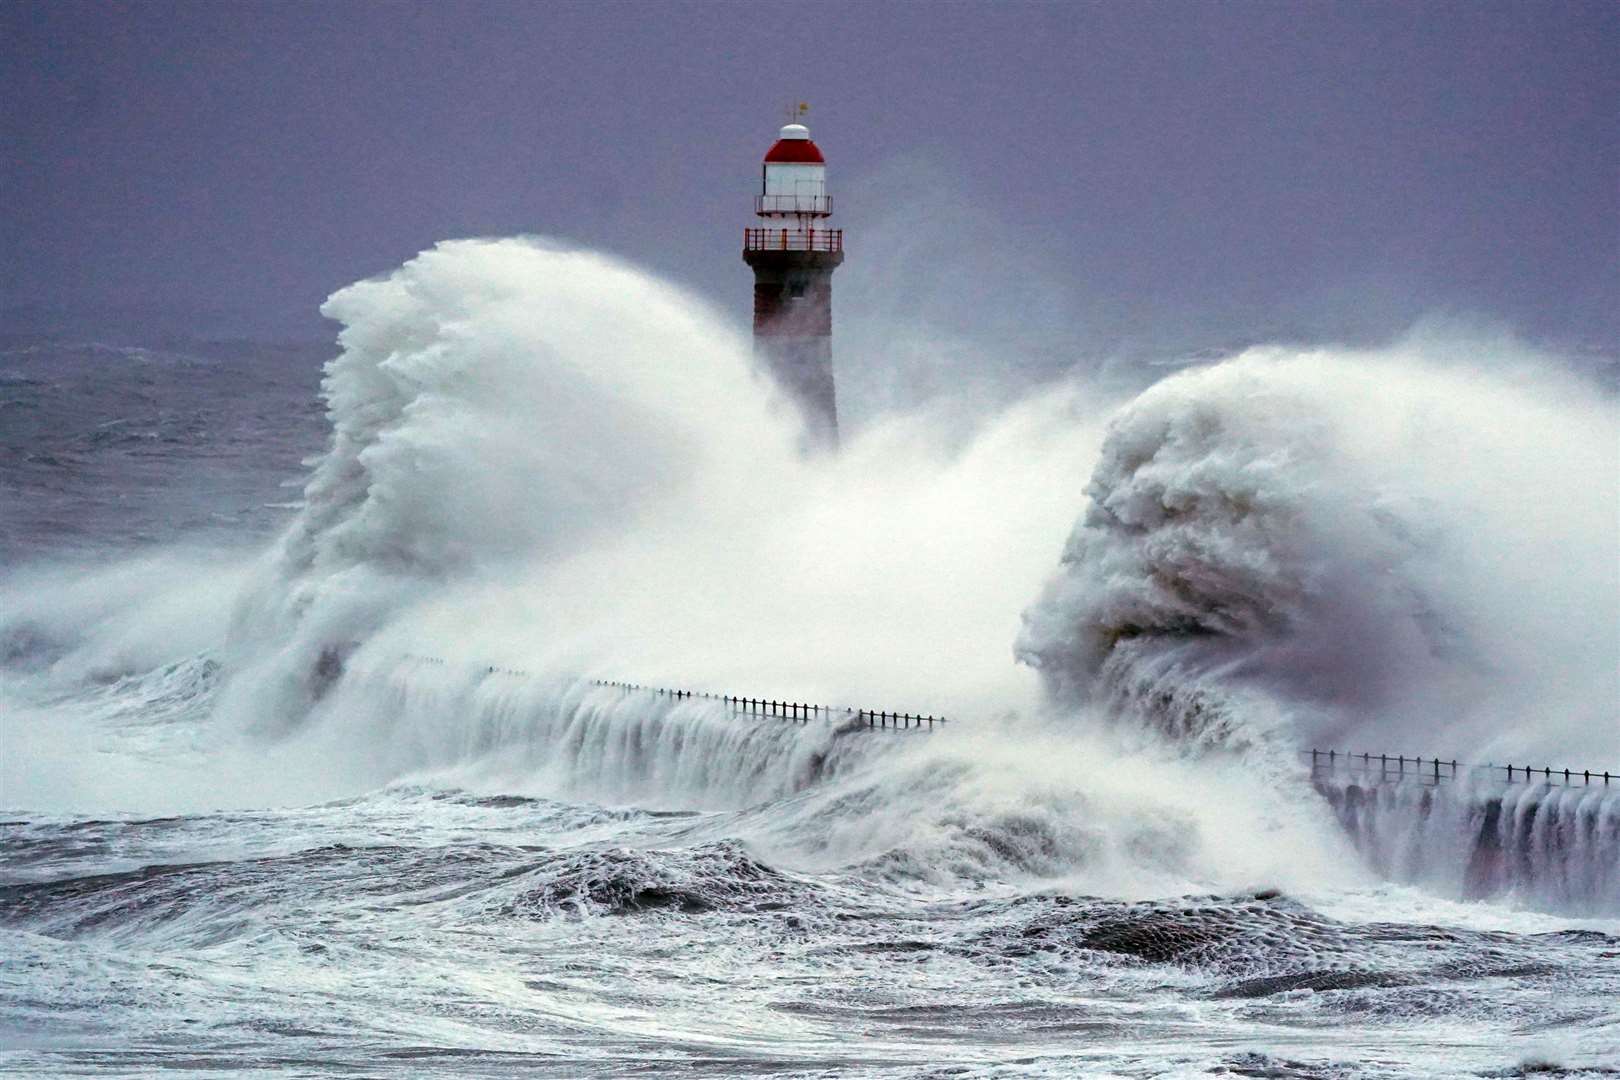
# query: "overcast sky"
{"type": "Point", "coordinates": [1222, 169]}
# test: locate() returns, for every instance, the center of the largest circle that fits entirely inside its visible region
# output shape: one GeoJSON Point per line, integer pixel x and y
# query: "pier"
{"type": "Point", "coordinates": [1550, 836]}
{"type": "Point", "coordinates": [1362, 768]}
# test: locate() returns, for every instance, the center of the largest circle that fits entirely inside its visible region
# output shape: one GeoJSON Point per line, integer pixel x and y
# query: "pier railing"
{"type": "Point", "coordinates": [797, 712]}
{"type": "Point", "coordinates": [1387, 769]}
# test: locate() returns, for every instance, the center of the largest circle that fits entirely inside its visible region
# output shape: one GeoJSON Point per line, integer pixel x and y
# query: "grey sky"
{"type": "Point", "coordinates": [1222, 168]}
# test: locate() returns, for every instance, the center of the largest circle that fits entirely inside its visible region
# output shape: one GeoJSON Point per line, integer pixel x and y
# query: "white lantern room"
{"type": "Point", "coordinates": [794, 178]}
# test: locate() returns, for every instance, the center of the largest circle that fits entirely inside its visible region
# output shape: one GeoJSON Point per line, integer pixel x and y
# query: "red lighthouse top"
{"type": "Point", "coordinates": [793, 147]}
{"type": "Point", "coordinates": [793, 202]}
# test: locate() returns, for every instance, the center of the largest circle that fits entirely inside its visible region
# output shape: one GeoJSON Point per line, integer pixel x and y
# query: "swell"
{"type": "Point", "coordinates": [1233, 946]}
{"type": "Point", "coordinates": [200, 904]}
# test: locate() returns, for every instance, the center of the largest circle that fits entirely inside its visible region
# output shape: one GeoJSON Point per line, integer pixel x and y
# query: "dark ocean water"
{"type": "Point", "coordinates": [530, 878]}
{"type": "Point", "coordinates": [106, 447]}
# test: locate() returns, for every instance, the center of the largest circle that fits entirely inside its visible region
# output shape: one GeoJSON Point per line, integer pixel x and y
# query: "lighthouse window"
{"type": "Point", "coordinates": [796, 288]}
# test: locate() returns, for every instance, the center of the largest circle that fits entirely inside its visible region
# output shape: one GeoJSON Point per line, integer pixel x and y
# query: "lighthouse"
{"type": "Point", "coordinates": [793, 255]}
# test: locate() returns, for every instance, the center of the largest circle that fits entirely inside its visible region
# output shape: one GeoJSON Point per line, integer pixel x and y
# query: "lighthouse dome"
{"type": "Point", "coordinates": [793, 146]}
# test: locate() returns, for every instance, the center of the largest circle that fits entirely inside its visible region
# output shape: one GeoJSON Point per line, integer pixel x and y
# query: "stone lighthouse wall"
{"type": "Point", "coordinates": [793, 332]}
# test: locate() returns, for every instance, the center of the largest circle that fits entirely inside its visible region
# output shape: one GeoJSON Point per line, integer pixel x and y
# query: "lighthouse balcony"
{"type": "Point", "coordinates": [793, 240]}
{"type": "Point", "coordinates": [810, 205]}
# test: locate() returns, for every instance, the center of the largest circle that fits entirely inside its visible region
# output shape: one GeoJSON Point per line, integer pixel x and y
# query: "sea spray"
{"type": "Point", "coordinates": [545, 459]}
{"type": "Point", "coordinates": [1315, 548]}
{"type": "Point", "coordinates": [495, 403]}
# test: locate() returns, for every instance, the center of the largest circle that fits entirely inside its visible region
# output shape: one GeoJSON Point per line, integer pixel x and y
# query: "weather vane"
{"type": "Point", "coordinates": [796, 112]}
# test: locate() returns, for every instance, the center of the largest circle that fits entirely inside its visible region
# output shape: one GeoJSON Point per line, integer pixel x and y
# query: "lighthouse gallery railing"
{"type": "Point", "coordinates": [793, 239]}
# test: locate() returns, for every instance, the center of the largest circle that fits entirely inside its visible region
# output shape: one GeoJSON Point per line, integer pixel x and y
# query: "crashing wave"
{"type": "Point", "coordinates": [1293, 547]}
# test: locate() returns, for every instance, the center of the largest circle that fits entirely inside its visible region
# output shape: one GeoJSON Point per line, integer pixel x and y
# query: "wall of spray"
{"type": "Point", "coordinates": [544, 458]}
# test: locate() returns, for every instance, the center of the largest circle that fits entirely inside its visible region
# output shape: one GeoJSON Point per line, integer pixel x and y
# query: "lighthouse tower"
{"type": "Point", "coordinates": [793, 255]}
